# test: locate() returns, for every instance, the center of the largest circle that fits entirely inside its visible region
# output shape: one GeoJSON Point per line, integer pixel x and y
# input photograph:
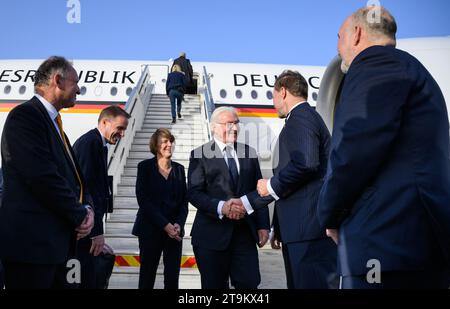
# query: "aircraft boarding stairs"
{"type": "Point", "coordinates": [189, 133]}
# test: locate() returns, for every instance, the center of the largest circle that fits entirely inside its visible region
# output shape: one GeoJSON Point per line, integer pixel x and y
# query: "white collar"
{"type": "Point", "coordinates": [51, 110]}
{"type": "Point", "coordinates": [290, 111]}
{"type": "Point", "coordinates": [103, 138]}
{"type": "Point", "coordinates": [222, 145]}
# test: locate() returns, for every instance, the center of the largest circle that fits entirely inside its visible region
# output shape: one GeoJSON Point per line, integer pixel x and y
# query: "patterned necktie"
{"type": "Point", "coordinates": [232, 168]}
{"type": "Point", "coordinates": [63, 137]}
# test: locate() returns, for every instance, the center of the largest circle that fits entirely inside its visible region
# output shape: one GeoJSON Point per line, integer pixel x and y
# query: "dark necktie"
{"type": "Point", "coordinates": [232, 168]}
{"type": "Point", "coordinates": [105, 156]}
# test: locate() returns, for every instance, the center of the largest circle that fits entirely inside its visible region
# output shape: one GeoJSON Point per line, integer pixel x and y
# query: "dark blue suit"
{"type": "Point", "coordinates": [91, 155]}
{"type": "Point", "coordinates": [161, 201]}
{"type": "Point", "coordinates": [300, 162]}
{"type": "Point", "coordinates": [40, 208]}
{"type": "Point", "coordinates": [387, 188]}
{"type": "Point", "coordinates": [224, 248]}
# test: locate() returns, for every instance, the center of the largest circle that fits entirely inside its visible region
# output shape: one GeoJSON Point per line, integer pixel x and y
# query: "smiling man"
{"type": "Point", "coordinates": [45, 202]}
{"type": "Point", "coordinates": [91, 152]}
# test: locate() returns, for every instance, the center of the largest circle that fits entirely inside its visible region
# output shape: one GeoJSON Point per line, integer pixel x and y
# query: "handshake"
{"type": "Point", "coordinates": [234, 209]}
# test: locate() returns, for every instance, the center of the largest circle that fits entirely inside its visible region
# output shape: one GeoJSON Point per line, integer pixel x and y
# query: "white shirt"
{"type": "Point", "coordinates": [269, 186]}
{"type": "Point", "coordinates": [51, 110]}
{"type": "Point", "coordinates": [53, 113]}
{"type": "Point", "coordinates": [105, 144]}
{"type": "Point", "coordinates": [222, 147]}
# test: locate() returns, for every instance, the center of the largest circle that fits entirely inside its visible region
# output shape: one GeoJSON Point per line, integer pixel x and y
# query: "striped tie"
{"type": "Point", "coordinates": [63, 137]}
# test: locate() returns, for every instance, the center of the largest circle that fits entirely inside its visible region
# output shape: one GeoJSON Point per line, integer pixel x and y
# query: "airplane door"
{"type": "Point", "coordinates": [158, 76]}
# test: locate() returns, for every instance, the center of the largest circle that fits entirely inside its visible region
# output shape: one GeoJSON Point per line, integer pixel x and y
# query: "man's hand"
{"type": "Point", "coordinates": [262, 187]}
{"type": "Point", "coordinates": [107, 249]}
{"type": "Point", "coordinates": [86, 226]}
{"type": "Point", "coordinates": [334, 234]}
{"type": "Point", "coordinates": [97, 245]}
{"type": "Point", "coordinates": [275, 241]}
{"type": "Point", "coordinates": [177, 228]}
{"type": "Point", "coordinates": [233, 209]}
{"type": "Point", "coordinates": [263, 236]}
{"type": "Point", "coordinates": [172, 231]}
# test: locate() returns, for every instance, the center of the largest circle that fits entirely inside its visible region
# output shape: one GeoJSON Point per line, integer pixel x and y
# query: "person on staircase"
{"type": "Point", "coordinates": [175, 88]}
{"type": "Point", "coordinates": [186, 68]}
{"type": "Point", "coordinates": [163, 208]}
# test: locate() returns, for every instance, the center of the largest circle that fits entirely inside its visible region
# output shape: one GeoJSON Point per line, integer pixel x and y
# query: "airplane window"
{"type": "Point", "coordinates": [238, 94]}
{"type": "Point", "coordinates": [223, 93]}
{"type": "Point", "coordinates": [7, 89]}
{"type": "Point", "coordinates": [254, 94]}
{"type": "Point", "coordinates": [83, 90]}
{"type": "Point", "coordinates": [22, 89]}
{"type": "Point", "coordinates": [129, 90]}
{"type": "Point", "coordinates": [269, 95]}
{"type": "Point", "coordinates": [314, 96]}
{"type": "Point", "coordinates": [113, 91]}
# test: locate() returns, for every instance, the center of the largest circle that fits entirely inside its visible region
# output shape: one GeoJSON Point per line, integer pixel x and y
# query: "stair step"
{"type": "Point", "coordinates": [142, 137]}
{"type": "Point", "coordinates": [130, 245]}
{"type": "Point", "coordinates": [113, 228]}
{"type": "Point", "coordinates": [133, 163]}
{"type": "Point", "coordinates": [146, 155]}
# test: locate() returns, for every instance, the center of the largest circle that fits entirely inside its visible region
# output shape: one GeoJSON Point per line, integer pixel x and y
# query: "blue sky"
{"type": "Point", "coordinates": [287, 31]}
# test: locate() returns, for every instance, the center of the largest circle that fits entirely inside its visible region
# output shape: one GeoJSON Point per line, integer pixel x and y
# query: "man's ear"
{"type": "Point", "coordinates": [57, 79]}
{"type": "Point", "coordinates": [283, 92]}
{"type": "Point", "coordinates": [357, 35]}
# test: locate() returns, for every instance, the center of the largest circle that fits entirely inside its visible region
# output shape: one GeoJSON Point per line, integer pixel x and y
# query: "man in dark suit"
{"type": "Point", "coordinates": [2, 280]}
{"type": "Point", "coordinates": [223, 238]}
{"type": "Point", "coordinates": [386, 195]}
{"type": "Point", "coordinates": [91, 152]}
{"type": "Point", "coordinates": [186, 67]}
{"type": "Point", "coordinates": [44, 209]}
{"type": "Point", "coordinates": [300, 161]}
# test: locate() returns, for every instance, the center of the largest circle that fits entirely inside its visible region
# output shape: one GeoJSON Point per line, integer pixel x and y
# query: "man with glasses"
{"type": "Point", "coordinates": [223, 234]}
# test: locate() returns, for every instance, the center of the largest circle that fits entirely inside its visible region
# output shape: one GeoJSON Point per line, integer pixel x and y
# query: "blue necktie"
{"type": "Point", "coordinates": [232, 168]}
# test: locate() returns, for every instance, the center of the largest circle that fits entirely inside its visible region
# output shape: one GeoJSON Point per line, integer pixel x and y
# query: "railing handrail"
{"type": "Point", "coordinates": [136, 106]}
{"type": "Point", "coordinates": [208, 103]}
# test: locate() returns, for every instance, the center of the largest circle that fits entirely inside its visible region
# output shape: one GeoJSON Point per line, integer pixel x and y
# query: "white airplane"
{"type": "Point", "coordinates": [248, 87]}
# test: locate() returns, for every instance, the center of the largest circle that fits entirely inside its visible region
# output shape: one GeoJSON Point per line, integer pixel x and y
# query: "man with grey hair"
{"type": "Point", "coordinates": [386, 195]}
{"type": "Point", "coordinates": [223, 234]}
{"type": "Point", "coordinates": [45, 202]}
{"type": "Point", "coordinates": [186, 67]}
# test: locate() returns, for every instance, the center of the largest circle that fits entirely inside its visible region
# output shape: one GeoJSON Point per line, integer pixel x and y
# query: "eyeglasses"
{"type": "Point", "coordinates": [230, 125]}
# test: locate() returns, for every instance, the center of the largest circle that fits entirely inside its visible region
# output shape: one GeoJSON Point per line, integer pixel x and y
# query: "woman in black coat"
{"type": "Point", "coordinates": [163, 208]}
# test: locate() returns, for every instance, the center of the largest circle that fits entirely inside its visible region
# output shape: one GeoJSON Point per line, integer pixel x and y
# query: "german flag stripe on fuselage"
{"type": "Point", "coordinates": [81, 107]}
{"type": "Point", "coordinates": [248, 110]}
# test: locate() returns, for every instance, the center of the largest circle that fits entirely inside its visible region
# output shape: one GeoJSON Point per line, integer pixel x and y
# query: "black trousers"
{"type": "Point", "coordinates": [33, 276]}
{"type": "Point", "coordinates": [2, 276]}
{"type": "Point", "coordinates": [87, 262]}
{"type": "Point", "coordinates": [150, 253]}
{"type": "Point", "coordinates": [429, 279]}
{"type": "Point", "coordinates": [238, 263]}
{"type": "Point", "coordinates": [311, 264]}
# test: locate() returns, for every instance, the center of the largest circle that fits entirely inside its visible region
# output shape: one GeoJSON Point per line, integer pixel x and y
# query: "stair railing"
{"type": "Point", "coordinates": [136, 106]}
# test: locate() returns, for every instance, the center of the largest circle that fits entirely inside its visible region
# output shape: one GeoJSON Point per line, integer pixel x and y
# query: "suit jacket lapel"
{"type": "Point", "coordinates": [242, 158]}
{"type": "Point", "coordinates": [56, 135]}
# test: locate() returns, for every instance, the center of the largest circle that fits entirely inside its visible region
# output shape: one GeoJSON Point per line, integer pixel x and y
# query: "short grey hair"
{"type": "Point", "coordinates": [218, 111]}
{"type": "Point", "coordinates": [54, 64]}
{"type": "Point", "coordinates": [385, 26]}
